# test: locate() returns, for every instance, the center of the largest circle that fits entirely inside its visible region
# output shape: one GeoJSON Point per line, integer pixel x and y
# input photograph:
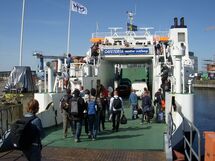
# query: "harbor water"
{"type": "Point", "coordinates": [204, 111]}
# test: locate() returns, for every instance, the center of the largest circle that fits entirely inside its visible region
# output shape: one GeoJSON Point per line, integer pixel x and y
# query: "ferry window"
{"type": "Point", "coordinates": [181, 37]}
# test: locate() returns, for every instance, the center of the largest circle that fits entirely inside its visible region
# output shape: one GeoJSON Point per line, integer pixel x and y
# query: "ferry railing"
{"type": "Point", "coordinates": [189, 150]}
{"type": "Point", "coordinates": [187, 126]}
{"type": "Point", "coordinates": [8, 115]}
{"type": "Point", "coordinates": [126, 33]}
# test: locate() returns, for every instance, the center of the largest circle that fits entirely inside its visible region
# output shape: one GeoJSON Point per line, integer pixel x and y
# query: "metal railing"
{"type": "Point", "coordinates": [189, 151]}
{"type": "Point", "coordinates": [188, 143]}
{"type": "Point", "coordinates": [8, 115]}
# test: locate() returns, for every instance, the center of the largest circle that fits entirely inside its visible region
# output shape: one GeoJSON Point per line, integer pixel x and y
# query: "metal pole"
{"type": "Point", "coordinates": [21, 36]}
{"type": "Point", "coordinates": [69, 28]}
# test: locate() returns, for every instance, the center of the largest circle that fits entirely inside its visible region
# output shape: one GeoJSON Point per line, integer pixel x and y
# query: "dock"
{"type": "Point", "coordinates": [204, 84]}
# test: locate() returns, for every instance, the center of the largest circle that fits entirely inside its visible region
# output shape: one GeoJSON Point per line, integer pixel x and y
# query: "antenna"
{"type": "Point", "coordinates": [147, 30]}
{"type": "Point", "coordinates": [135, 9]}
{"type": "Point", "coordinates": [97, 28]}
{"type": "Point", "coordinates": [131, 17]}
{"type": "Point", "coordinates": [114, 29]}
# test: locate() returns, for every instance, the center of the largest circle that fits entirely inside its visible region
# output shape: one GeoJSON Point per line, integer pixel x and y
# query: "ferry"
{"type": "Point", "coordinates": [164, 56]}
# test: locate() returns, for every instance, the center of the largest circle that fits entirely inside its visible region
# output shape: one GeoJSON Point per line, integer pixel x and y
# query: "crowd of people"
{"type": "Point", "coordinates": [91, 109]}
{"type": "Point", "coordinates": [96, 106]}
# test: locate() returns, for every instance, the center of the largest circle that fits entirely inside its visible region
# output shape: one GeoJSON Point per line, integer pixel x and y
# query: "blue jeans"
{"type": "Point", "coordinates": [92, 125]}
{"type": "Point", "coordinates": [77, 127]}
{"type": "Point", "coordinates": [33, 153]}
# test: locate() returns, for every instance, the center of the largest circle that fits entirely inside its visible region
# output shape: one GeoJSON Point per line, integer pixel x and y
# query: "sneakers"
{"type": "Point", "coordinates": [89, 136]}
{"type": "Point", "coordinates": [65, 136]}
{"type": "Point", "coordinates": [141, 123]}
{"type": "Point", "coordinates": [77, 140]}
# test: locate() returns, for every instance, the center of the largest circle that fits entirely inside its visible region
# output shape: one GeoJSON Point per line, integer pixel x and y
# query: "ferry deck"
{"type": "Point", "coordinates": [133, 141]}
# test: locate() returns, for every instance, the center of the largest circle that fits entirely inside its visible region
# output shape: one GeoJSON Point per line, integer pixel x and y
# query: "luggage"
{"type": "Point", "coordinates": [123, 119]}
{"type": "Point", "coordinates": [160, 117]}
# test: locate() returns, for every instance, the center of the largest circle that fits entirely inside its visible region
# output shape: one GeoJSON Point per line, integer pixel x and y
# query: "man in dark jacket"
{"type": "Point", "coordinates": [77, 113]}
{"type": "Point", "coordinates": [146, 106]}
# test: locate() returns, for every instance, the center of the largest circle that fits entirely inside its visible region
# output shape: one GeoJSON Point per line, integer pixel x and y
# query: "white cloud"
{"type": "Point", "coordinates": [210, 28]}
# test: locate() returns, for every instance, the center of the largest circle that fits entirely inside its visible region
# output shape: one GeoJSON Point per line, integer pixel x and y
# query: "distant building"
{"type": "Point", "coordinates": [211, 70]}
{"type": "Point", "coordinates": [194, 60]}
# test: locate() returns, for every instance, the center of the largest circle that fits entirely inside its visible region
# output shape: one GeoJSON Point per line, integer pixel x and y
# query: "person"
{"type": "Point", "coordinates": [34, 152]}
{"type": "Point", "coordinates": [65, 107]}
{"type": "Point", "coordinates": [28, 142]}
{"type": "Point", "coordinates": [91, 111]}
{"type": "Point", "coordinates": [82, 91]}
{"type": "Point", "coordinates": [133, 100]}
{"type": "Point", "coordinates": [103, 90]}
{"type": "Point", "coordinates": [94, 54]}
{"type": "Point", "coordinates": [110, 95]}
{"type": "Point", "coordinates": [146, 105]}
{"type": "Point", "coordinates": [65, 78]}
{"type": "Point", "coordinates": [86, 99]}
{"type": "Point", "coordinates": [103, 103]}
{"type": "Point", "coordinates": [116, 106]}
{"type": "Point", "coordinates": [158, 99]}
{"type": "Point", "coordinates": [77, 116]}
{"type": "Point", "coordinates": [69, 61]}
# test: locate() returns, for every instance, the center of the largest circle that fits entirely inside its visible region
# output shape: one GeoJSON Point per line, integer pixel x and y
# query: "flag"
{"type": "Point", "coordinates": [77, 7]}
{"type": "Point", "coordinates": [131, 27]}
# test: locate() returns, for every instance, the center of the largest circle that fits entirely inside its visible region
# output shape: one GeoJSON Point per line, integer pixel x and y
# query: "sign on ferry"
{"type": "Point", "coordinates": [126, 51]}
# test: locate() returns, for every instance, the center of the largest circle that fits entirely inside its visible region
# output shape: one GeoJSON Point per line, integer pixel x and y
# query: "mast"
{"type": "Point", "coordinates": [69, 28]}
{"type": "Point", "coordinates": [21, 35]}
{"type": "Point", "coordinates": [130, 17]}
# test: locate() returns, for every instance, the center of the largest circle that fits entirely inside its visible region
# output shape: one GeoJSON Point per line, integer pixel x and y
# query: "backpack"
{"type": "Point", "coordinates": [117, 103]}
{"type": "Point", "coordinates": [91, 108]}
{"type": "Point", "coordinates": [23, 133]}
{"type": "Point", "coordinates": [74, 106]}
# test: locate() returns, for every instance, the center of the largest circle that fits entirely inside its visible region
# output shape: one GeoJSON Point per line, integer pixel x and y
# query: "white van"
{"type": "Point", "coordinates": [139, 86]}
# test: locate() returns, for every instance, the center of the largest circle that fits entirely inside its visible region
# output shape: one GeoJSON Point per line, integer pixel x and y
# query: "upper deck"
{"type": "Point", "coordinates": [129, 46]}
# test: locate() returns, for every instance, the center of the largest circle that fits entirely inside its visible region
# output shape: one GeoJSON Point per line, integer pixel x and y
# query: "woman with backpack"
{"type": "Point", "coordinates": [33, 152]}
{"type": "Point", "coordinates": [25, 134]}
{"type": "Point", "coordinates": [92, 115]}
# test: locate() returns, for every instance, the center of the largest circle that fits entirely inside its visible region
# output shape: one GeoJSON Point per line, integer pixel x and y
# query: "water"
{"type": "Point", "coordinates": [204, 112]}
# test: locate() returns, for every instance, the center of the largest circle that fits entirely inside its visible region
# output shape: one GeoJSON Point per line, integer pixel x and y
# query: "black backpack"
{"type": "Point", "coordinates": [23, 133]}
{"type": "Point", "coordinates": [74, 106]}
{"type": "Point", "coordinates": [117, 103]}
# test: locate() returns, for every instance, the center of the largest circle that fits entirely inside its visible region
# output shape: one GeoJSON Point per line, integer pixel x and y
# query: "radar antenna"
{"type": "Point", "coordinates": [146, 29]}
{"type": "Point", "coordinates": [114, 29]}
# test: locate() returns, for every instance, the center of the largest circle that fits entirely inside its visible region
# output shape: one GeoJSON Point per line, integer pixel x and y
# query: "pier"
{"type": "Point", "coordinates": [204, 84]}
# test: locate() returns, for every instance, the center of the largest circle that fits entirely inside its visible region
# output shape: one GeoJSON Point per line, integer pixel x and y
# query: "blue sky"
{"type": "Point", "coordinates": [46, 22]}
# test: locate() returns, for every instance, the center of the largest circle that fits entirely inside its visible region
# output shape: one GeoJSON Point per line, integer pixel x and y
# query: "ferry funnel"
{"type": "Point", "coordinates": [182, 23]}
{"type": "Point", "coordinates": [175, 22]}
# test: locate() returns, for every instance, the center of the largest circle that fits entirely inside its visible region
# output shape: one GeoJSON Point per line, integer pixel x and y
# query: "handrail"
{"type": "Point", "coordinates": [6, 117]}
{"type": "Point", "coordinates": [188, 143]}
{"type": "Point", "coordinates": [190, 152]}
